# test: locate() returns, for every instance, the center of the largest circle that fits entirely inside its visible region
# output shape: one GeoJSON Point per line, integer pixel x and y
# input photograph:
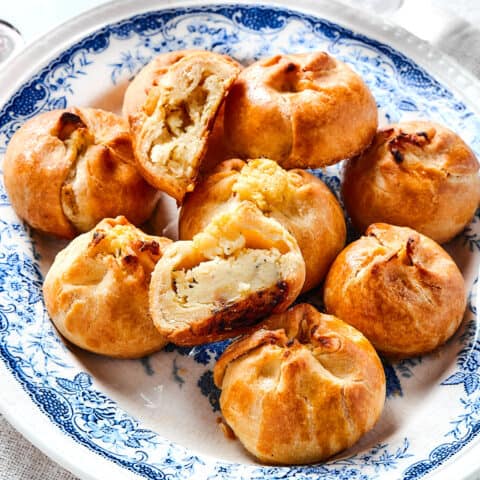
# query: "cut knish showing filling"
{"type": "Point", "coordinates": [242, 267]}
{"type": "Point", "coordinates": [171, 132]}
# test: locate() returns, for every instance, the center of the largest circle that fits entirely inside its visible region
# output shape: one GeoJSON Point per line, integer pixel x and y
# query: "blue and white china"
{"type": "Point", "coordinates": [158, 418]}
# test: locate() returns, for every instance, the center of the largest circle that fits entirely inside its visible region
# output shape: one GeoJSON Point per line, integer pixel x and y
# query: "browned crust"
{"type": "Point", "coordinates": [232, 319]}
{"type": "Point", "coordinates": [41, 163]}
{"type": "Point", "coordinates": [143, 92]}
{"type": "Point", "coordinates": [36, 197]}
{"type": "Point", "coordinates": [416, 174]}
{"type": "Point", "coordinates": [399, 288]}
{"type": "Point", "coordinates": [294, 108]}
{"type": "Point", "coordinates": [98, 299]}
{"type": "Point", "coordinates": [301, 388]}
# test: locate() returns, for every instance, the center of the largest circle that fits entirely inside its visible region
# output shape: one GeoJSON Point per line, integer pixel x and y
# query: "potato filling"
{"type": "Point", "coordinates": [224, 280]}
{"type": "Point", "coordinates": [266, 184]}
{"type": "Point", "coordinates": [74, 188]}
{"type": "Point", "coordinates": [181, 121]}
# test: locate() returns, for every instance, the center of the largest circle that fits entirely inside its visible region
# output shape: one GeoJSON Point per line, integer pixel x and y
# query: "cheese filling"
{"type": "Point", "coordinates": [127, 245]}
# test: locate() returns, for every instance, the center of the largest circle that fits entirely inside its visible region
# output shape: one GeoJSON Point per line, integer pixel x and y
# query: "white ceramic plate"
{"type": "Point", "coordinates": [156, 418]}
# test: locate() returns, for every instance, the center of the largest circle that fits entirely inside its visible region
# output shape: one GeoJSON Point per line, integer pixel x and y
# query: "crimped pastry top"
{"type": "Point", "coordinates": [301, 388]}
{"type": "Point", "coordinates": [301, 74]}
{"type": "Point", "coordinates": [128, 246]}
{"type": "Point", "coordinates": [114, 244]}
{"type": "Point", "coordinates": [327, 338]}
{"type": "Point", "coordinates": [417, 174]}
{"type": "Point", "coordinates": [400, 288]}
{"type": "Point", "coordinates": [423, 145]}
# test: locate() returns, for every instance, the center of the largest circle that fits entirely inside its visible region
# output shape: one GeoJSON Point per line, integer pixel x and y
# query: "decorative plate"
{"type": "Point", "coordinates": [157, 418]}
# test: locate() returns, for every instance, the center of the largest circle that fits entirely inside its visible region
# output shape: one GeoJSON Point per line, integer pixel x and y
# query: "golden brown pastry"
{"type": "Point", "coordinates": [399, 288]}
{"type": "Point", "coordinates": [302, 110]}
{"type": "Point", "coordinates": [301, 388]}
{"type": "Point", "coordinates": [218, 149]}
{"type": "Point", "coordinates": [241, 267]}
{"type": "Point", "coordinates": [298, 200]}
{"type": "Point", "coordinates": [171, 106]}
{"type": "Point", "coordinates": [65, 170]}
{"type": "Point", "coordinates": [415, 174]}
{"type": "Point", "coordinates": [96, 291]}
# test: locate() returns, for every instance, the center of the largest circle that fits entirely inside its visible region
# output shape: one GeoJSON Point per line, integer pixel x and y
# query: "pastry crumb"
{"type": "Point", "coordinates": [226, 430]}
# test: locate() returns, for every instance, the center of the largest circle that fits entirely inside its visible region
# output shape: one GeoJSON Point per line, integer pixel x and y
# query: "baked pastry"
{"type": "Point", "coordinates": [240, 268]}
{"type": "Point", "coordinates": [65, 170]}
{"type": "Point", "coordinates": [137, 92]}
{"type": "Point", "coordinates": [298, 200]}
{"type": "Point", "coordinates": [171, 107]}
{"type": "Point", "coordinates": [218, 149]}
{"type": "Point", "coordinates": [399, 288]}
{"type": "Point", "coordinates": [96, 291]}
{"type": "Point", "coordinates": [415, 174]}
{"type": "Point", "coordinates": [301, 388]}
{"type": "Point", "coordinates": [302, 110]}
{"type": "Point", "coordinates": [147, 78]}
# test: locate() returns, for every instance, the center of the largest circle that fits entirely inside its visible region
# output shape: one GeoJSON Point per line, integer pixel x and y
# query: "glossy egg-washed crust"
{"type": "Point", "coordinates": [301, 388]}
{"type": "Point", "coordinates": [399, 288]}
{"type": "Point", "coordinates": [164, 105]}
{"type": "Point", "coordinates": [302, 110]}
{"type": "Point", "coordinates": [241, 230]}
{"type": "Point", "coordinates": [66, 170]}
{"type": "Point", "coordinates": [415, 174]}
{"type": "Point", "coordinates": [298, 200]}
{"type": "Point", "coordinates": [96, 291]}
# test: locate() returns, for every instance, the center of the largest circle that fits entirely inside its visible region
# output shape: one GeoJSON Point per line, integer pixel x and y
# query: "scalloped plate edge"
{"type": "Point", "coordinates": [45, 435]}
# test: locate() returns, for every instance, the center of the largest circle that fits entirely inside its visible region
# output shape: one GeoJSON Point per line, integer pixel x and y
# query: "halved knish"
{"type": "Point", "coordinates": [242, 267]}
{"type": "Point", "coordinates": [171, 128]}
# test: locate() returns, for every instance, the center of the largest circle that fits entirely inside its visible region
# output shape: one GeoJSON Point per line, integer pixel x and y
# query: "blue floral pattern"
{"type": "Point", "coordinates": [38, 359]}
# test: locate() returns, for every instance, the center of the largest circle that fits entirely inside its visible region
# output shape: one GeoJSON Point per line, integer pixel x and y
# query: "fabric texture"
{"type": "Point", "coordinates": [20, 460]}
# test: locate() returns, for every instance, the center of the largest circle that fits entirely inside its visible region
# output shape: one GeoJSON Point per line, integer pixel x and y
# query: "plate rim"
{"type": "Point", "coordinates": [117, 10]}
{"type": "Point", "coordinates": [444, 67]}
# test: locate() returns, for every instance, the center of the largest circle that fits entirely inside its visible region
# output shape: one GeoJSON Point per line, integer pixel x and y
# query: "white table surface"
{"type": "Point", "coordinates": [445, 23]}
